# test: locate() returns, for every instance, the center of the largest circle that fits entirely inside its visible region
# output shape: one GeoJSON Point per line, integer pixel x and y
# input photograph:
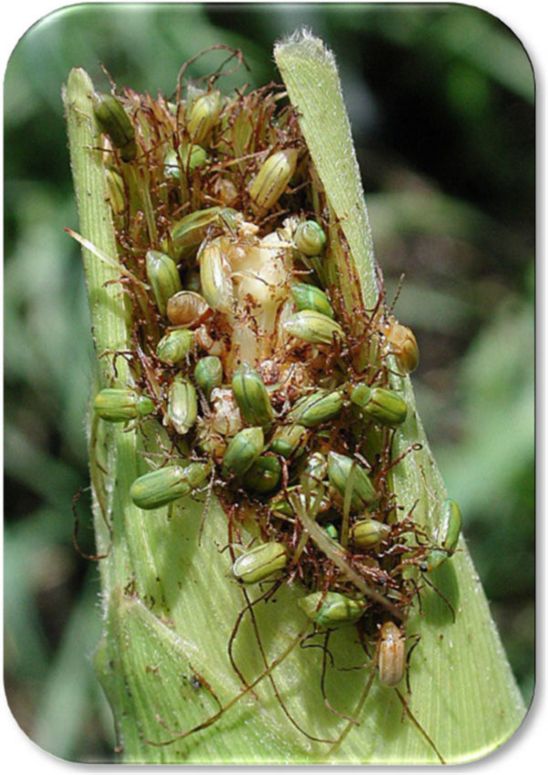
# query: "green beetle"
{"type": "Point", "coordinates": [158, 488]}
{"type": "Point", "coordinates": [120, 405]}
{"type": "Point", "coordinates": [163, 276]}
{"type": "Point", "coordinates": [308, 296]}
{"type": "Point", "coordinates": [383, 405]}
{"type": "Point", "coordinates": [313, 327]}
{"type": "Point", "coordinates": [252, 397]}
{"type": "Point", "coordinates": [310, 238]}
{"type": "Point", "coordinates": [260, 563]}
{"type": "Point", "coordinates": [332, 609]}
{"type": "Point", "coordinates": [242, 451]}
{"type": "Point", "coordinates": [339, 469]}
{"type": "Point", "coordinates": [113, 121]}
{"type": "Point", "coordinates": [317, 408]}
{"type": "Point", "coordinates": [208, 374]}
{"type": "Point", "coordinates": [175, 346]}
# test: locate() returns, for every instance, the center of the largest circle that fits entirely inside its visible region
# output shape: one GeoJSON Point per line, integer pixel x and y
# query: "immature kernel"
{"type": "Point", "coordinates": [188, 233]}
{"type": "Point", "coordinates": [260, 563]}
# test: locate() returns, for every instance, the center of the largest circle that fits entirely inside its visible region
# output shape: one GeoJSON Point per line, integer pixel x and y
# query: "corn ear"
{"type": "Point", "coordinates": [157, 565]}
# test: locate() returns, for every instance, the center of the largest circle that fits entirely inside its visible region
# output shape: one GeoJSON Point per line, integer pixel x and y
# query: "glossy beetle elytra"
{"type": "Point", "coordinates": [260, 563]}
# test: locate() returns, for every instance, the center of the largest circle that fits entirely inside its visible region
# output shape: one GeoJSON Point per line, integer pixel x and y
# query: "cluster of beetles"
{"type": "Point", "coordinates": [254, 350]}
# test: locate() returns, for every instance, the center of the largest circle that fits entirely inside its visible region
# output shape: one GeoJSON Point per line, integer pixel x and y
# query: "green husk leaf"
{"type": "Point", "coordinates": [168, 603]}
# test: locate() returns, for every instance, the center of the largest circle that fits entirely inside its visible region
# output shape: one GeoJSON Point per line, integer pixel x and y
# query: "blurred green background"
{"type": "Point", "coordinates": [441, 101]}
